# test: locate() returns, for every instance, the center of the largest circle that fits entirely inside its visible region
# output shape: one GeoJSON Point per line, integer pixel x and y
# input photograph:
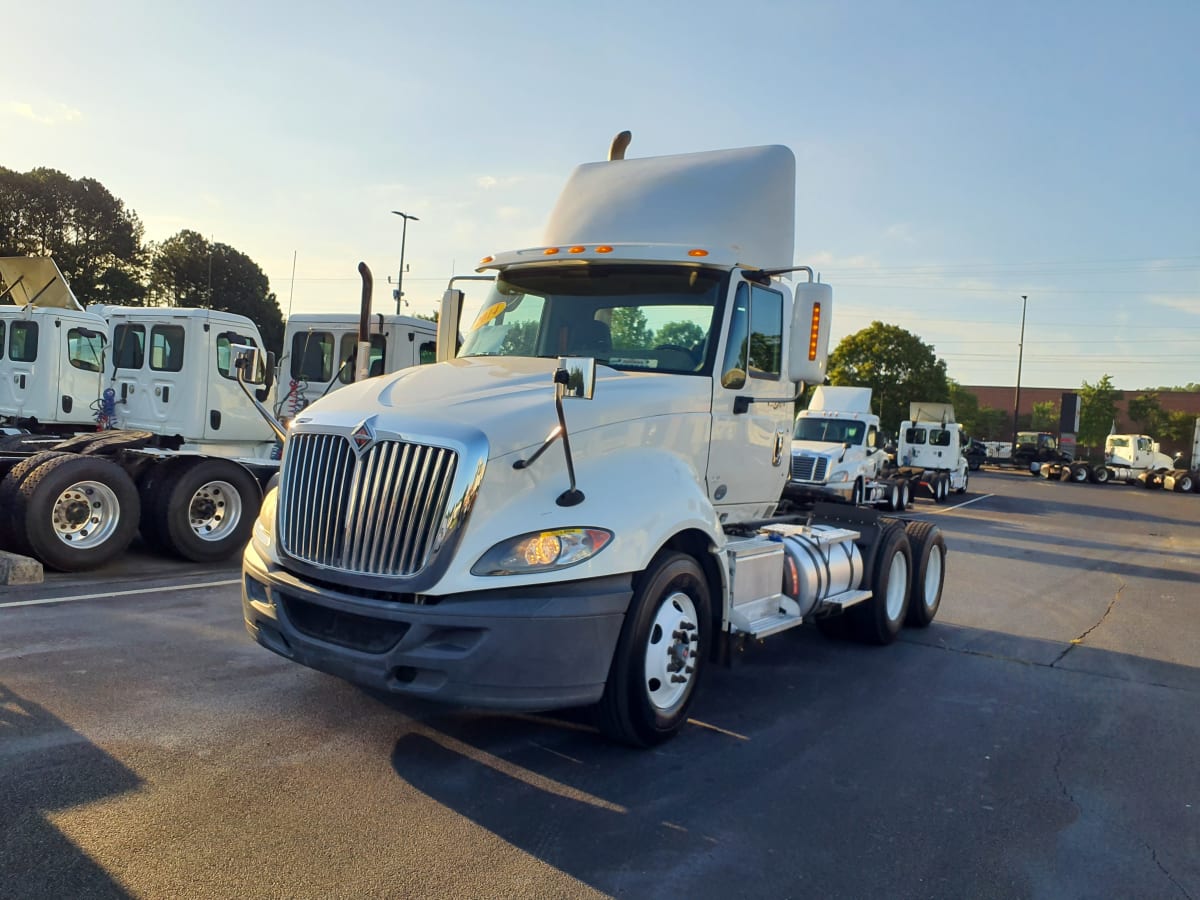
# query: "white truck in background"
{"type": "Point", "coordinates": [1134, 459]}
{"type": "Point", "coordinates": [319, 351]}
{"type": "Point", "coordinates": [658, 337]}
{"type": "Point", "coordinates": [930, 450]}
{"type": "Point", "coordinates": [836, 451]}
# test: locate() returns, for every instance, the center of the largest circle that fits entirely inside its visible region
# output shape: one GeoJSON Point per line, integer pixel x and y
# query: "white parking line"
{"type": "Point", "coordinates": [946, 509]}
{"type": "Point", "coordinates": [152, 590]}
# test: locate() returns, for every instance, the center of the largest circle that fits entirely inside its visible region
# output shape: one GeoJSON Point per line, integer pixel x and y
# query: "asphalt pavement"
{"type": "Point", "coordinates": [1037, 741]}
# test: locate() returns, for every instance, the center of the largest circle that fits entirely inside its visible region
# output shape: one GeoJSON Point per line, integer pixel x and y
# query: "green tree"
{"type": "Point", "coordinates": [1147, 413]}
{"type": "Point", "coordinates": [1097, 411]}
{"type": "Point", "coordinates": [895, 364]}
{"type": "Point", "coordinates": [94, 239]}
{"type": "Point", "coordinates": [1045, 416]}
{"type": "Point", "coordinates": [681, 334]}
{"type": "Point", "coordinates": [629, 329]}
{"type": "Point", "coordinates": [188, 270]}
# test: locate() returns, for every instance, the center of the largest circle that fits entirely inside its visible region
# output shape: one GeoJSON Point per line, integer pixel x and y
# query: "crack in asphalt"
{"type": "Point", "coordinates": [1070, 798]}
{"type": "Point", "coordinates": [1079, 640]}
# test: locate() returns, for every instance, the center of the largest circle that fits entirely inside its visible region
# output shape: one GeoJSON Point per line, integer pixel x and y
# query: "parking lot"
{"type": "Point", "coordinates": [1039, 740]}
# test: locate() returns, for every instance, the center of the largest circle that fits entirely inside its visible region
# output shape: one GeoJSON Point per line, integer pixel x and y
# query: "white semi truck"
{"type": "Point", "coordinates": [930, 450]}
{"type": "Point", "coordinates": [583, 506]}
{"type": "Point", "coordinates": [836, 452]}
{"type": "Point", "coordinates": [319, 354]}
{"type": "Point", "coordinates": [1134, 459]}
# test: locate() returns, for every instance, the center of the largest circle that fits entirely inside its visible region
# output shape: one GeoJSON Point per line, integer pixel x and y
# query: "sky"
{"type": "Point", "coordinates": [953, 157]}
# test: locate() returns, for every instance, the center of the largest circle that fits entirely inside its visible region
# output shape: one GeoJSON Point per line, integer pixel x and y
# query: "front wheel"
{"type": "Point", "coordinates": [660, 654]}
{"type": "Point", "coordinates": [1102, 475]}
{"type": "Point", "coordinates": [856, 495]}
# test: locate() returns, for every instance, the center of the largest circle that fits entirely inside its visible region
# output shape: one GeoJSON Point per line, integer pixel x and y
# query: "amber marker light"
{"type": "Point", "coordinates": [486, 260]}
{"type": "Point", "coordinates": [604, 248]}
{"type": "Point", "coordinates": [815, 332]}
{"type": "Point", "coordinates": [697, 253]}
{"type": "Point", "coordinates": [550, 251]}
{"type": "Point", "coordinates": [577, 249]}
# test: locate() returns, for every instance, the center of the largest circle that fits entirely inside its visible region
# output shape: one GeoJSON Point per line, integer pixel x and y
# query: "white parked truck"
{"type": "Point", "coordinates": [930, 450]}
{"type": "Point", "coordinates": [319, 354]}
{"type": "Point", "coordinates": [1134, 459]}
{"type": "Point", "coordinates": [836, 452]}
{"type": "Point", "coordinates": [173, 446]}
{"type": "Point", "coordinates": [583, 506]}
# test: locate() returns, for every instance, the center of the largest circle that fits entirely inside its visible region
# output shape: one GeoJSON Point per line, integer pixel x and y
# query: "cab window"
{"type": "Point", "coordinates": [348, 351]}
{"type": "Point", "coordinates": [939, 437]}
{"type": "Point", "coordinates": [914, 436]}
{"type": "Point", "coordinates": [312, 356]}
{"type": "Point", "coordinates": [23, 342]}
{"type": "Point", "coordinates": [129, 343]}
{"type": "Point", "coordinates": [166, 348]}
{"type": "Point", "coordinates": [85, 349]}
{"type": "Point", "coordinates": [226, 341]}
{"type": "Point", "coordinates": [1, 339]}
{"type": "Point", "coordinates": [428, 352]}
{"type": "Point", "coordinates": [755, 336]}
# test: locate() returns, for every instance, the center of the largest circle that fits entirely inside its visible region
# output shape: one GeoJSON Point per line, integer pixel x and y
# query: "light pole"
{"type": "Point", "coordinates": [400, 277]}
{"type": "Point", "coordinates": [1020, 354]}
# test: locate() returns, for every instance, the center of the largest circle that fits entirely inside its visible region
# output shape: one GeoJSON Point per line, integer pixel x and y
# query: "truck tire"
{"type": "Point", "coordinates": [878, 620]}
{"type": "Point", "coordinates": [1079, 473]}
{"type": "Point", "coordinates": [856, 495]}
{"type": "Point", "coordinates": [905, 494]}
{"type": "Point", "coordinates": [966, 481]}
{"type": "Point", "coordinates": [12, 525]}
{"type": "Point", "coordinates": [660, 654]}
{"type": "Point", "coordinates": [204, 508]}
{"type": "Point", "coordinates": [79, 511]}
{"type": "Point", "coordinates": [928, 572]}
{"type": "Point", "coordinates": [891, 499]}
{"type": "Point", "coordinates": [939, 488]}
{"type": "Point", "coordinates": [1185, 483]}
{"type": "Point", "coordinates": [1102, 475]}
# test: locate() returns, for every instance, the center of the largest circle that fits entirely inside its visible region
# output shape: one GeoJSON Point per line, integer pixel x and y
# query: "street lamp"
{"type": "Point", "coordinates": [1020, 354]}
{"type": "Point", "coordinates": [400, 277]}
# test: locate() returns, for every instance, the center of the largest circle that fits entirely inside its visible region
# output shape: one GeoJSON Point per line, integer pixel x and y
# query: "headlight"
{"type": "Point", "coordinates": [542, 551]}
{"type": "Point", "coordinates": [843, 475]}
{"type": "Point", "coordinates": [264, 525]}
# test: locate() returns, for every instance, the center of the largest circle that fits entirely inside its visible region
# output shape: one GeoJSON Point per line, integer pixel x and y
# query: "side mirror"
{"type": "Point", "coordinates": [580, 381]}
{"type": "Point", "coordinates": [808, 336]}
{"type": "Point", "coordinates": [245, 361]}
{"type": "Point", "coordinates": [447, 324]}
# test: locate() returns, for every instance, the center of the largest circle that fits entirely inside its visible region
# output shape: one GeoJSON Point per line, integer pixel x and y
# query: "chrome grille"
{"type": "Point", "coordinates": [809, 468]}
{"type": "Point", "coordinates": [374, 514]}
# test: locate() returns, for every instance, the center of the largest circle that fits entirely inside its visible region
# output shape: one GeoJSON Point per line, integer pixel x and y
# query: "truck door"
{"type": "Point", "coordinates": [22, 356]}
{"type": "Point", "coordinates": [80, 373]}
{"type": "Point", "coordinates": [751, 407]}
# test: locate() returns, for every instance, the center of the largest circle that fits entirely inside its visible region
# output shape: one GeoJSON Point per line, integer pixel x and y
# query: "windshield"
{"type": "Point", "coordinates": [830, 431]}
{"type": "Point", "coordinates": [656, 318]}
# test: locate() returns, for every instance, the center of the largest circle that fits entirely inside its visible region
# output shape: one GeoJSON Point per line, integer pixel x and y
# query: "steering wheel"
{"type": "Point", "coordinates": [679, 347]}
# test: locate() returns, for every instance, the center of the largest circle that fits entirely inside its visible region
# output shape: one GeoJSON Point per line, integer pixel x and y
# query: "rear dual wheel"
{"type": "Point", "coordinates": [78, 512]}
{"type": "Point", "coordinates": [879, 619]}
{"type": "Point", "coordinates": [928, 572]}
{"type": "Point", "coordinates": [200, 509]}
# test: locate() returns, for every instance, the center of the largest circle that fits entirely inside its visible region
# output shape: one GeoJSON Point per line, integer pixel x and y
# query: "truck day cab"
{"type": "Point", "coordinates": [583, 506]}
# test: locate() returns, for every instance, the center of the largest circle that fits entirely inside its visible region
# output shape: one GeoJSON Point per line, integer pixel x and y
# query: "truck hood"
{"type": "Point", "coordinates": [509, 399]}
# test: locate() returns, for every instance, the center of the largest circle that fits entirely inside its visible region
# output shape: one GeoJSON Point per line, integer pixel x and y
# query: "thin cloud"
{"type": "Point", "coordinates": [491, 182]}
{"type": "Point", "coordinates": [54, 114]}
{"type": "Point", "coordinates": [901, 233]}
{"type": "Point", "coordinates": [1188, 305]}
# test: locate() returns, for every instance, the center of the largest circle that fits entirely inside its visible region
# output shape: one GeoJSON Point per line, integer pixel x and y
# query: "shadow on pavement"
{"type": "Point", "coordinates": [45, 766]}
{"type": "Point", "coordinates": [936, 767]}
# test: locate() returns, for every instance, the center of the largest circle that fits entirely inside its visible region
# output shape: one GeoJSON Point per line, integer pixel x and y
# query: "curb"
{"type": "Point", "coordinates": [15, 569]}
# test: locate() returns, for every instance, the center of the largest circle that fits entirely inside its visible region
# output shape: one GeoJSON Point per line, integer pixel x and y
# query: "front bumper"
{"type": "Point", "coordinates": [530, 648]}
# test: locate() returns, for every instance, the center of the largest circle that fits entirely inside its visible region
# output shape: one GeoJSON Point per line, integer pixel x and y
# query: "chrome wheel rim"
{"type": "Point", "coordinates": [85, 515]}
{"type": "Point", "coordinates": [671, 650]}
{"type": "Point", "coordinates": [215, 510]}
